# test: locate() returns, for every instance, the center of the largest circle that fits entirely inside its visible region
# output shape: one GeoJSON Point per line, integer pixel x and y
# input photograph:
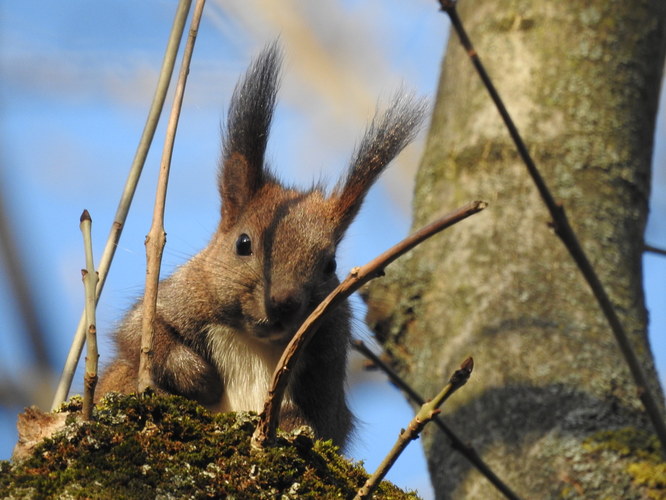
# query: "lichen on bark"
{"type": "Point", "coordinates": [581, 81]}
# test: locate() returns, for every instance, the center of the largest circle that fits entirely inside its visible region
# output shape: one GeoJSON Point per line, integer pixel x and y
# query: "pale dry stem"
{"type": "Point", "coordinates": [156, 238]}
{"type": "Point", "coordinates": [457, 443]}
{"type": "Point", "coordinates": [428, 411]}
{"type": "Point", "coordinates": [138, 162]}
{"type": "Point", "coordinates": [90, 284]}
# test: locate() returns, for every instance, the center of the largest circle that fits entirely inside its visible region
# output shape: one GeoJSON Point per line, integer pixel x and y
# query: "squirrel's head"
{"type": "Point", "coordinates": [280, 242]}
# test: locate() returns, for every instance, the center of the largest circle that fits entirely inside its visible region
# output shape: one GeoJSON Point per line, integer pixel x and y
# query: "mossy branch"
{"type": "Point", "coordinates": [456, 442]}
{"type": "Point", "coordinates": [563, 229]}
{"type": "Point", "coordinates": [156, 238]}
{"type": "Point", "coordinates": [427, 412]}
{"type": "Point", "coordinates": [90, 284]}
{"type": "Point", "coordinates": [268, 418]}
{"type": "Point", "coordinates": [138, 162]}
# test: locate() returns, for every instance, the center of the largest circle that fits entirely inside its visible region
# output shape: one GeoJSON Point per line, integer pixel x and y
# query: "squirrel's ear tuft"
{"type": "Point", "coordinates": [387, 135]}
{"type": "Point", "coordinates": [242, 171]}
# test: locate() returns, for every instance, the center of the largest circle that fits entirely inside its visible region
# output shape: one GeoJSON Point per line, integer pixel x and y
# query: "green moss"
{"type": "Point", "coordinates": [626, 441]}
{"type": "Point", "coordinates": [154, 445]}
{"type": "Point", "coordinates": [642, 452]}
{"type": "Point", "coordinates": [651, 475]}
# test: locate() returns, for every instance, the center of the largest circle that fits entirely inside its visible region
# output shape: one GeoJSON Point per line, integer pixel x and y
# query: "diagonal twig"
{"type": "Point", "coordinates": [156, 238]}
{"type": "Point", "coordinates": [653, 249]}
{"type": "Point", "coordinates": [429, 410]}
{"type": "Point", "coordinates": [264, 434]}
{"type": "Point", "coordinates": [37, 387]}
{"type": "Point", "coordinates": [456, 443]}
{"type": "Point", "coordinates": [166, 71]}
{"type": "Point", "coordinates": [566, 234]}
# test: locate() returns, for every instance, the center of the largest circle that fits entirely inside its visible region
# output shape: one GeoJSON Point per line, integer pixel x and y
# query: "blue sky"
{"type": "Point", "coordinates": [77, 80]}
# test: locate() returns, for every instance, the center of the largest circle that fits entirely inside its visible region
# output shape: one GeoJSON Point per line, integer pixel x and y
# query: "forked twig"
{"type": "Point", "coordinates": [456, 443]}
{"type": "Point", "coordinates": [264, 434]}
{"type": "Point", "coordinates": [90, 284]}
{"type": "Point", "coordinates": [156, 238]}
{"type": "Point", "coordinates": [563, 229]}
{"type": "Point", "coordinates": [428, 411]}
{"type": "Point", "coordinates": [156, 106]}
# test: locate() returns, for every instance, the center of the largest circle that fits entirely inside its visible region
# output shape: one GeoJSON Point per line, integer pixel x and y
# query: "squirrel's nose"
{"type": "Point", "coordinates": [284, 305]}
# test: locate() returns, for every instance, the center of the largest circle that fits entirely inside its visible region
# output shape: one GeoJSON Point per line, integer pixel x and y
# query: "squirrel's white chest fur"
{"type": "Point", "coordinates": [246, 366]}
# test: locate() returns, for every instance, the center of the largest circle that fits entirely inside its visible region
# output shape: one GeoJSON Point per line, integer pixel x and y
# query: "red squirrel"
{"type": "Point", "coordinates": [225, 316]}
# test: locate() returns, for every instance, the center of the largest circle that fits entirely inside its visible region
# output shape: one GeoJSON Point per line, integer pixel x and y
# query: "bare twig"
{"type": "Point", "coordinates": [264, 434]}
{"type": "Point", "coordinates": [458, 444]}
{"type": "Point", "coordinates": [563, 229]}
{"type": "Point", "coordinates": [428, 411]}
{"type": "Point", "coordinates": [90, 284]}
{"type": "Point", "coordinates": [20, 283]}
{"type": "Point", "coordinates": [650, 248]}
{"type": "Point", "coordinates": [128, 194]}
{"type": "Point", "coordinates": [156, 238]}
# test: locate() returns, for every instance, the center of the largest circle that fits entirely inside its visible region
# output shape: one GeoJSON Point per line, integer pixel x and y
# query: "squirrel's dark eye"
{"type": "Point", "coordinates": [244, 245]}
{"type": "Point", "coordinates": [331, 266]}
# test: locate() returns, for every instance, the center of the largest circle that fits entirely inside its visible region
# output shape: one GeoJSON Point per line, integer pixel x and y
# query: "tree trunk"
{"type": "Point", "coordinates": [551, 405]}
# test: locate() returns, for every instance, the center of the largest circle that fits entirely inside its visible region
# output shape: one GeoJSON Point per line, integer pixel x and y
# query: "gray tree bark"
{"type": "Point", "coordinates": [550, 400]}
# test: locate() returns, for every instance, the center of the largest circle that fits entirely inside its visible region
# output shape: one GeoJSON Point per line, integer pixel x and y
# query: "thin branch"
{"type": "Point", "coordinates": [156, 106]}
{"type": "Point", "coordinates": [563, 229]}
{"type": "Point", "coordinates": [25, 300]}
{"type": "Point", "coordinates": [456, 443]}
{"type": "Point", "coordinates": [156, 238]}
{"type": "Point", "coordinates": [428, 412]}
{"type": "Point", "coordinates": [264, 434]}
{"type": "Point", "coordinates": [90, 284]}
{"type": "Point", "coordinates": [650, 248]}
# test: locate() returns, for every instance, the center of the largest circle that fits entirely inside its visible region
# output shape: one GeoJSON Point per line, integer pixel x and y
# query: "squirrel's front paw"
{"type": "Point", "coordinates": [187, 374]}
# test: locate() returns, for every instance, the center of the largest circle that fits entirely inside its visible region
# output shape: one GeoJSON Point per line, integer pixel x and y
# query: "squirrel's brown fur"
{"type": "Point", "coordinates": [224, 317]}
